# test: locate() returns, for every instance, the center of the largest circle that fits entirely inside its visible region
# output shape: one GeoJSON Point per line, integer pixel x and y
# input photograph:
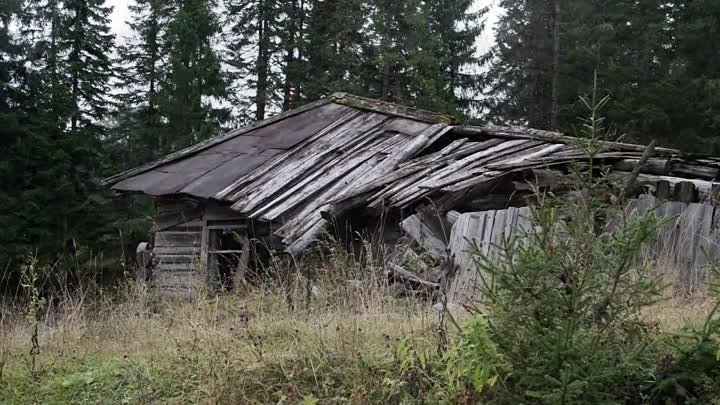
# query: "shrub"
{"type": "Point", "coordinates": [691, 374]}
{"type": "Point", "coordinates": [563, 297]}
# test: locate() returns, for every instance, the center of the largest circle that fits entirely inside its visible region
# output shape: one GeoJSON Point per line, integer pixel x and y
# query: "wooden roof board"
{"type": "Point", "coordinates": [296, 166]}
{"type": "Point", "coordinates": [187, 168]}
{"type": "Point", "coordinates": [193, 149]}
{"type": "Point", "coordinates": [207, 185]}
{"type": "Point", "coordinates": [172, 177]}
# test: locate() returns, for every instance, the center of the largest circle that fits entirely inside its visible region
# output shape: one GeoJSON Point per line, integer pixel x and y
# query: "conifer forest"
{"type": "Point", "coordinates": [79, 103]}
{"type": "Point", "coordinates": [412, 202]}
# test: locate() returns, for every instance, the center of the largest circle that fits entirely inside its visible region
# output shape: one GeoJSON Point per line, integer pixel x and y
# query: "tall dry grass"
{"type": "Point", "coordinates": [234, 347]}
{"type": "Point", "coordinates": [132, 345]}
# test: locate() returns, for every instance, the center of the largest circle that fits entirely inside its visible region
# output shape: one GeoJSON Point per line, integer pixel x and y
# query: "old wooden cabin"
{"type": "Point", "coordinates": [280, 183]}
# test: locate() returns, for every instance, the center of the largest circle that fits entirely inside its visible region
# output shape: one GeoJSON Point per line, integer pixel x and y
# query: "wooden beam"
{"type": "Point", "coordinates": [404, 275]}
{"type": "Point", "coordinates": [390, 108]}
{"type": "Point", "coordinates": [686, 192]}
{"type": "Point", "coordinates": [687, 169]}
{"type": "Point", "coordinates": [631, 180]}
{"type": "Point", "coordinates": [536, 134]}
{"type": "Point", "coordinates": [663, 191]}
{"type": "Point", "coordinates": [652, 166]}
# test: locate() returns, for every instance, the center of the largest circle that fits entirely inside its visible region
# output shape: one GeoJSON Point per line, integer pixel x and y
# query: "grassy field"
{"type": "Point", "coordinates": [133, 347]}
{"type": "Point", "coordinates": [130, 346]}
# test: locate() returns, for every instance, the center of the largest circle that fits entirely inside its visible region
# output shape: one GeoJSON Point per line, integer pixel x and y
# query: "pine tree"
{"type": "Point", "coordinates": [86, 35]}
{"type": "Point", "coordinates": [195, 80]}
{"type": "Point", "coordinates": [695, 103]}
{"type": "Point", "coordinates": [519, 78]}
{"type": "Point", "coordinates": [336, 49]}
{"type": "Point", "coordinates": [254, 54]}
{"type": "Point", "coordinates": [144, 61]}
{"type": "Point", "coordinates": [61, 95]}
{"type": "Point", "coordinates": [455, 27]}
{"type": "Point", "coordinates": [547, 52]}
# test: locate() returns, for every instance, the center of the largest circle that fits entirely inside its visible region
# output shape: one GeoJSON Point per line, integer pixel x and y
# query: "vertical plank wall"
{"type": "Point", "coordinates": [691, 230]}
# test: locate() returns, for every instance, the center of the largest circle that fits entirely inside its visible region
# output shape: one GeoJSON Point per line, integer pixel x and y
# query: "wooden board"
{"type": "Point", "coordinates": [425, 236]}
{"type": "Point", "coordinates": [176, 239]}
{"type": "Point", "coordinates": [177, 250]}
{"type": "Point", "coordinates": [175, 279]}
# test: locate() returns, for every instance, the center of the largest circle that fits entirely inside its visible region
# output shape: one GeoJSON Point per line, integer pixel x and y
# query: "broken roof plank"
{"type": "Point", "coordinates": [548, 136]}
{"type": "Point", "coordinates": [344, 136]}
{"type": "Point", "coordinates": [331, 172]}
{"type": "Point", "coordinates": [243, 186]}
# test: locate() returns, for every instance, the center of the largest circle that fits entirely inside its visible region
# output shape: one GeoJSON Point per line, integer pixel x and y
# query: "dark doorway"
{"type": "Point", "coordinates": [228, 256]}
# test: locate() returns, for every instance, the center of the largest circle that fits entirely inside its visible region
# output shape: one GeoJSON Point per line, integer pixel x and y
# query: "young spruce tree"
{"type": "Point", "coordinates": [564, 298]}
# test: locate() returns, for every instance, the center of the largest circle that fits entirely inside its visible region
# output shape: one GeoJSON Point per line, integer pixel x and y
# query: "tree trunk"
{"type": "Point", "coordinates": [555, 67]}
{"type": "Point", "coordinates": [53, 63]}
{"type": "Point", "coordinates": [262, 63]}
{"type": "Point", "coordinates": [75, 60]}
{"type": "Point", "coordinates": [290, 56]}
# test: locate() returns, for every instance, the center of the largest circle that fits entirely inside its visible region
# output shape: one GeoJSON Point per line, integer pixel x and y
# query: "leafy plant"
{"type": "Point", "coordinates": [472, 362]}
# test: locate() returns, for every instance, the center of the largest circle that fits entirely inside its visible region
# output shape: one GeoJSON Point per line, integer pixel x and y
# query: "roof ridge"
{"type": "Point", "coordinates": [386, 107]}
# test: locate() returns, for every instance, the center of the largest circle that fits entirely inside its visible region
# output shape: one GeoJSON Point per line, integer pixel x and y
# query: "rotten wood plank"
{"type": "Point", "coordinates": [174, 239]}
{"type": "Point", "coordinates": [406, 276]}
{"type": "Point", "coordinates": [425, 236]}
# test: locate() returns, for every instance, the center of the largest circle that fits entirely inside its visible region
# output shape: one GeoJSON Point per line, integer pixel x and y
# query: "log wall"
{"type": "Point", "coordinates": [177, 245]}
{"type": "Point", "coordinates": [181, 237]}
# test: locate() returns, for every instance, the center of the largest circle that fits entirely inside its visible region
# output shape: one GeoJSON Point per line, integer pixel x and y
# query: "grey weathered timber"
{"type": "Point", "coordinates": [652, 166]}
{"type": "Point", "coordinates": [685, 247]}
{"type": "Point", "coordinates": [176, 279]}
{"type": "Point", "coordinates": [663, 190]}
{"type": "Point", "coordinates": [293, 175]}
{"type": "Point", "coordinates": [169, 239]}
{"type": "Point", "coordinates": [406, 276]}
{"type": "Point", "coordinates": [694, 170]}
{"type": "Point", "coordinates": [686, 192]}
{"type": "Point", "coordinates": [424, 235]}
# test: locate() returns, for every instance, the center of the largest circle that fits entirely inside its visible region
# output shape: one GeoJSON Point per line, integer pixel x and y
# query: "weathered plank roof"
{"type": "Point", "coordinates": [304, 166]}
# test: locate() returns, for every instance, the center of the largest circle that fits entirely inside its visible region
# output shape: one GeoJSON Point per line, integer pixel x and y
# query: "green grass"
{"type": "Point", "coordinates": [228, 350]}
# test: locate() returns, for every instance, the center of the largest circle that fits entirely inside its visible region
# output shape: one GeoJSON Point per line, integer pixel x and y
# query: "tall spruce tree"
{"type": "Point", "coordinates": [195, 83]}
{"type": "Point", "coordinates": [145, 68]}
{"type": "Point", "coordinates": [61, 92]}
{"type": "Point", "coordinates": [695, 101]}
{"type": "Point", "coordinates": [519, 79]}
{"type": "Point", "coordinates": [255, 46]}
{"type": "Point", "coordinates": [547, 52]}
{"type": "Point", "coordinates": [86, 35]}
{"type": "Point", "coordinates": [336, 49]}
{"type": "Point", "coordinates": [455, 26]}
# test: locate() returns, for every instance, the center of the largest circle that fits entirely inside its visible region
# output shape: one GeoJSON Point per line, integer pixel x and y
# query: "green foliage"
{"type": "Point", "coordinates": [472, 361]}
{"type": "Point", "coordinates": [691, 374]}
{"type": "Point", "coordinates": [652, 57]}
{"type": "Point", "coordinates": [563, 298]}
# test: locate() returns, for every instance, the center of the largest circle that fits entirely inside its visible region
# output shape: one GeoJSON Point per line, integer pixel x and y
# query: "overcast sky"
{"type": "Point", "coordinates": [120, 15]}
